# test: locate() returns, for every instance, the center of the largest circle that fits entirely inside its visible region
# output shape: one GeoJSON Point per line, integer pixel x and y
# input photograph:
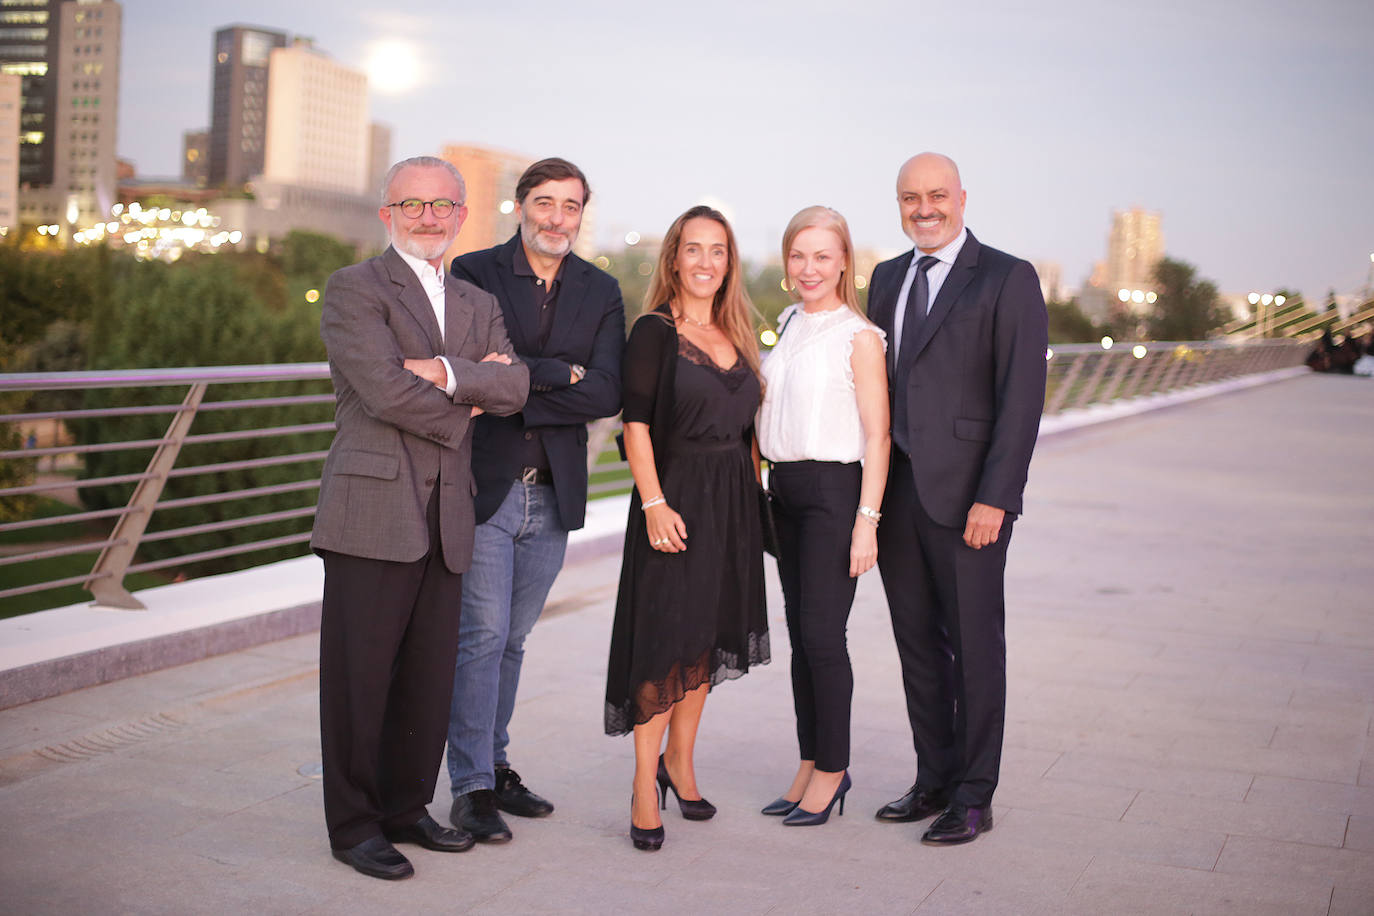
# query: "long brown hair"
{"type": "Point", "coordinates": [731, 311]}
{"type": "Point", "coordinates": [825, 218]}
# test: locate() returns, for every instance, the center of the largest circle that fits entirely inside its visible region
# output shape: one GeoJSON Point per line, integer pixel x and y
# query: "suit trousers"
{"type": "Point", "coordinates": [948, 619]}
{"type": "Point", "coordinates": [815, 504]}
{"type": "Point", "coordinates": [388, 640]}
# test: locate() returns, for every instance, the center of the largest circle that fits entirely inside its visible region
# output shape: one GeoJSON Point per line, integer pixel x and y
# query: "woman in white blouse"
{"type": "Point", "coordinates": [823, 426]}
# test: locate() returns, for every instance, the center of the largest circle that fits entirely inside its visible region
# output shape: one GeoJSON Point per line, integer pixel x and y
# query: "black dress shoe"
{"type": "Point", "coordinates": [916, 805]}
{"type": "Point", "coordinates": [377, 858]}
{"type": "Point", "coordinates": [475, 813]}
{"type": "Point", "coordinates": [514, 798]}
{"type": "Point", "coordinates": [958, 824]}
{"type": "Point", "coordinates": [428, 833]}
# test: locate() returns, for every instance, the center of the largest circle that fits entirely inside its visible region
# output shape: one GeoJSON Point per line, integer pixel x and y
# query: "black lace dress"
{"type": "Point", "coordinates": [695, 617]}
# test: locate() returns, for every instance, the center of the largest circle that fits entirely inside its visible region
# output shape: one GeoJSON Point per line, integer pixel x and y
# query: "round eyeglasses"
{"type": "Point", "coordinates": [413, 207]}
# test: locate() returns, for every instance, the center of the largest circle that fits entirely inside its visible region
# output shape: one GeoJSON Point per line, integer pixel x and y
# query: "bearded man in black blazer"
{"type": "Point", "coordinates": [567, 323]}
{"type": "Point", "coordinates": [967, 334]}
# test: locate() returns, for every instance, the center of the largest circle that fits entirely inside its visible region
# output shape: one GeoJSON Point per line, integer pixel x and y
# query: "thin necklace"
{"type": "Point", "coordinates": [704, 325]}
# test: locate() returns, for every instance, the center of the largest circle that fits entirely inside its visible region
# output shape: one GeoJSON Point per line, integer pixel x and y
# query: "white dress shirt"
{"type": "Point", "coordinates": [433, 282]}
{"type": "Point", "coordinates": [809, 410]}
{"type": "Point", "coordinates": [935, 278]}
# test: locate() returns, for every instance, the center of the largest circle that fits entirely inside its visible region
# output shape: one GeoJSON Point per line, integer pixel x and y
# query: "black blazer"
{"type": "Point", "coordinates": [975, 378]}
{"type": "Point", "coordinates": [588, 329]}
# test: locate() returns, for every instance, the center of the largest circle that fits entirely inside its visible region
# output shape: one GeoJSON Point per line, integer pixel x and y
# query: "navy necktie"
{"type": "Point", "coordinates": [917, 300]}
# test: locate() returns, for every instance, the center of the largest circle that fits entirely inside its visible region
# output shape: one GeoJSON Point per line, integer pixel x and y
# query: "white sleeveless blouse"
{"type": "Point", "coordinates": [809, 411]}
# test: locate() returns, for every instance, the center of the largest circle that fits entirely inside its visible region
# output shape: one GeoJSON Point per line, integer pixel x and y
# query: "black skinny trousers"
{"type": "Point", "coordinates": [814, 505]}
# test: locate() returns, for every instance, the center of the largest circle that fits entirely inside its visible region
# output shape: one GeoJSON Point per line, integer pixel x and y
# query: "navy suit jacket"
{"type": "Point", "coordinates": [588, 329]}
{"type": "Point", "coordinates": [975, 377]}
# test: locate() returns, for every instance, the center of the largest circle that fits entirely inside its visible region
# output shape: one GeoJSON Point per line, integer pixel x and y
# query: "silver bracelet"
{"type": "Point", "coordinates": [656, 501]}
{"type": "Point", "coordinates": [871, 515]}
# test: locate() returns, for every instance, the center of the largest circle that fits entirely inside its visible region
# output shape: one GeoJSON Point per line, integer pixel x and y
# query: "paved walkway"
{"type": "Point", "coordinates": [1191, 653]}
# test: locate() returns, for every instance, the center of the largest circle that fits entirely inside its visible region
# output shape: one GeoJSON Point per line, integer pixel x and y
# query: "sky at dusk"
{"type": "Point", "coordinates": [1248, 125]}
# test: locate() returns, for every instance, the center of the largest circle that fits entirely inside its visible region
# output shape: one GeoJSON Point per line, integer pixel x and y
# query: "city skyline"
{"type": "Point", "coordinates": [1057, 116]}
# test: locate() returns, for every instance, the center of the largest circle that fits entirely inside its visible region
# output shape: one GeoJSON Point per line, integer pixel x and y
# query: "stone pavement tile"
{"type": "Point", "coordinates": [1332, 797]}
{"type": "Point", "coordinates": [1172, 637]}
{"type": "Point", "coordinates": [1290, 763]}
{"type": "Point", "coordinates": [1092, 836]}
{"type": "Point", "coordinates": [1187, 727]}
{"type": "Point", "coordinates": [1321, 740]}
{"type": "Point", "coordinates": [1366, 777]}
{"type": "Point", "coordinates": [1293, 823]}
{"type": "Point", "coordinates": [1360, 835]}
{"type": "Point", "coordinates": [1124, 886]}
{"type": "Point", "coordinates": [22, 727]}
{"type": "Point", "coordinates": [1346, 868]}
{"type": "Point", "coordinates": [1350, 902]}
{"type": "Point", "coordinates": [995, 876]}
{"type": "Point", "coordinates": [1087, 737]}
{"type": "Point", "coordinates": [1100, 769]}
{"type": "Point", "coordinates": [1062, 797]}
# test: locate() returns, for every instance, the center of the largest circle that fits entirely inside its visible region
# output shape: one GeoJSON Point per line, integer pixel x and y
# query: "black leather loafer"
{"type": "Point", "coordinates": [958, 824]}
{"type": "Point", "coordinates": [475, 813]}
{"type": "Point", "coordinates": [427, 832]}
{"type": "Point", "coordinates": [514, 798]}
{"type": "Point", "coordinates": [377, 858]}
{"type": "Point", "coordinates": [916, 805]}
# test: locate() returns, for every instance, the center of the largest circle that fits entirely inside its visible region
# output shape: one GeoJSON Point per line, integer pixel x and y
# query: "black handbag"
{"type": "Point", "coordinates": [768, 527]}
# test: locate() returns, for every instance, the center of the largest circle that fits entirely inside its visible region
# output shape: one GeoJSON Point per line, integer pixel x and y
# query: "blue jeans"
{"type": "Point", "coordinates": [516, 556]}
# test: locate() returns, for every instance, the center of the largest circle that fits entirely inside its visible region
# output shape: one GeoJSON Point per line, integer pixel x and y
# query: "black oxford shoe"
{"type": "Point", "coordinates": [475, 813]}
{"type": "Point", "coordinates": [958, 824]}
{"type": "Point", "coordinates": [513, 798]}
{"type": "Point", "coordinates": [377, 858]}
{"type": "Point", "coordinates": [916, 805]}
{"type": "Point", "coordinates": [428, 833]}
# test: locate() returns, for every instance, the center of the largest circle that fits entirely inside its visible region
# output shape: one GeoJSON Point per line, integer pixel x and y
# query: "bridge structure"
{"type": "Point", "coordinates": [1190, 712]}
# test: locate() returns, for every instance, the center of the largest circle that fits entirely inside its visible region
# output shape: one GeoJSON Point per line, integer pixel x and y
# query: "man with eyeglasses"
{"type": "Point", "coordinates": [414, 358]}
{"type": "Point", "coordinates": [567, 323]}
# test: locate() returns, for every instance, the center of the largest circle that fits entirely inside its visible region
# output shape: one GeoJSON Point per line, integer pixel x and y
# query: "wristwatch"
{"type": "Point", "coordinates": [579, 371]}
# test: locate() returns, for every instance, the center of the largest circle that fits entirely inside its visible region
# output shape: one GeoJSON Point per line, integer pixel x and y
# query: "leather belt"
{"type": "Point", "coordinates": [536, 475]}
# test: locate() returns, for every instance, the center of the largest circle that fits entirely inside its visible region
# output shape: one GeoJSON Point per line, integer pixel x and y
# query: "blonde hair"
{"type": "Point", "coordinates": [825, 218]}
{"type": "Point", "coordinates": [731, 311]}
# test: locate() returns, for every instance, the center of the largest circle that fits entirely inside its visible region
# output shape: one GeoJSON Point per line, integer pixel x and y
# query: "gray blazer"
{"type": "Point", "coordinates": [398, 436]}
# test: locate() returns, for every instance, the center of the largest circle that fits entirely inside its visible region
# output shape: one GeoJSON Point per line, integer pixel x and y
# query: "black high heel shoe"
{"type": "Point", "coordinates": [780, 807]}
{"type": "Point", "coordinates": [693, 809]}
{"type": "Point", "coordinates": [650, 838]}
{"type": "Point", "coordinates": [803, 818]}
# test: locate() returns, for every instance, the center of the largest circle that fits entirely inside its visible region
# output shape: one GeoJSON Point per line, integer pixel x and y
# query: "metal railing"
{"type": "Point", "coordinates": [1079, 376]}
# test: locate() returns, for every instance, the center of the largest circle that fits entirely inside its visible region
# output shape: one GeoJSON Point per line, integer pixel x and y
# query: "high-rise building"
{"type": "Point", "coordinates": [66, 53]}
{"type": "Point", "coordinates": [1134, 248]}
{"type": "Point", "coordinates": [195, 157]}
{"type": "Point", "coordinates": [238, 106]}
{"type": "Point", "coordinates": [317, 129]}
{"type": "Point", "coordinates": [10, 104]}
{"type": "Point", "coordinates": [28, 50]}
{"type": "Point", "coordinates": [378, 157]}
{"type": "Point", "coordinates": [490, 175]}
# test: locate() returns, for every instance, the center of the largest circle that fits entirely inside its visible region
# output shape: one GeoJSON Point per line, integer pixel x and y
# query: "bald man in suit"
{"type": "Point", "coordinates": [966, 361]}
{"type": "Point", "coordinates": [414, 357]}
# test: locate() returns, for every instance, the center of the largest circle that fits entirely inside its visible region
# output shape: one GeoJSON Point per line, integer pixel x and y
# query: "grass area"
{"type": "Point", "coordinates": [618, 472]}
{"type": "Point", "coordinates": [58, 568]}
{"type": "Point", "coordinates": [32, 572]}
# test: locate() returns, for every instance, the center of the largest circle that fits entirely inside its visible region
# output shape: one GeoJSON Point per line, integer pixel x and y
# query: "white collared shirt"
{"type": "Point", "coordinates": [433, 282]}
{"type": "Point", "coordinates": [935, 278]}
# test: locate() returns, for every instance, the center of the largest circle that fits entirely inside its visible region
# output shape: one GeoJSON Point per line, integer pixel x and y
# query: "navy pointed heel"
{"type": "Point", "coordinates": [800, 817]}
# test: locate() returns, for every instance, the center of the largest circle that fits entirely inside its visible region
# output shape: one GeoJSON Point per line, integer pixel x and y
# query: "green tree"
{"type": "Point", "coordinates": [1068, 324]}
{"type": "Point", "coordinates": [1188, 308]}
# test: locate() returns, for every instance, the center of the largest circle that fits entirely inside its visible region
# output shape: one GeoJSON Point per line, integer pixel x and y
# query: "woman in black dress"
{"type": "Point", "coordinates": [690, 612]}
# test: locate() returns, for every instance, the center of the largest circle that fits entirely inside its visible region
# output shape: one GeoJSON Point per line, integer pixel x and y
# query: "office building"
{"type": "Point", "coordinates": [195, 157]}
{"type": "Point", "coordinates": [379, 156]}
{"type": "Point", "coordinates": [66, 53]}
{"type": "Point", "coordinates": [1134, 247]}
{"type": "Point", "coordinates": [238, 106]}
{"type": "Point", "coordinates": [490, 175]}
{"type": "Point", "coordinates": [318, 134]}
{"type": "Point", "coordinates": [10, 104]}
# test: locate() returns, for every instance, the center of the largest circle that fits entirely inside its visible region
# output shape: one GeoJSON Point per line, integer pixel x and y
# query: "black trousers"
{"type": "Point", "coordinates": [948, 618]}
{"type": "Point", "coordinates": [388, 644]}
{"type": "Point", "coordinates": [815, 503]}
